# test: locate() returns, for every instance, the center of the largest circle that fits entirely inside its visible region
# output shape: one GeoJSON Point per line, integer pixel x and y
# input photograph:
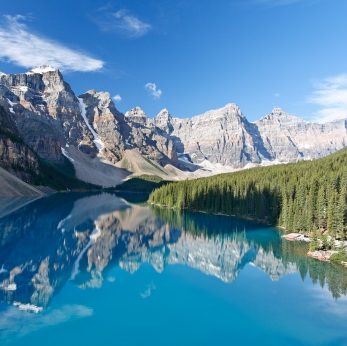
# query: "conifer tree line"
{"type": "Point", "coordinates": [305, 196]}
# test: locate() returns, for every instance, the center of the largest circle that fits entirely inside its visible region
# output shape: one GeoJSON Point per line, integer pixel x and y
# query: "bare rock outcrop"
{"type": "Point", "coordinates": [46, 111]}
{"type": "Point", "coordinates": [92, 133]}
{"type": "Point", "coordinates": [15, 156]}
{"type": "Point", "coordinates": [289, 139]}
{"type": "Point", "coordinates": [225, 137]}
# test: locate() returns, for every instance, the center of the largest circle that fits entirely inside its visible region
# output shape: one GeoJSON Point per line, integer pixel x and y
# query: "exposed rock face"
{"type": "Point", "coordinates": [288, 138]}
{"type": "Point", "coordinates": [137, 115]}
{"type": "Point", "coordinates": [46, 112]}
{"type": "Point", "coordinates": [220, 136]}
{"type": "Point", "coordinates": [53, 121]}
{"type": "Point", "coordinates": [224, 136]}
{"type": "Point", "coordinates": [15, 156]}
{"type": "Point", "coordinates": [148, 139]}
{"type": "Point", "coordinates": [105, 119]}
{"type": "Point", "coordinates": [164, 121]}
{"type": "Point", "coordinates": [132, 130]}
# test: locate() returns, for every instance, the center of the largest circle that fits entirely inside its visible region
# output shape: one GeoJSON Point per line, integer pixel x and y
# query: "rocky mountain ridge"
{"type": "Point", "coordinates": [105, 146]}
{"type": "Point", "coordinates": [225, 137]}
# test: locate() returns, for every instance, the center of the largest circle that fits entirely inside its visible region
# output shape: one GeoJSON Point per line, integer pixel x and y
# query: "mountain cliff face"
{"type": "Point", "coordinates": [15, 156]}
{"type": "Point", "coordinates": [88, 129]}
{"type": "Point", "coordinates": [288, 138]}
{"type": "Point", "coordinates": [98, 139]}
{"type": "Point", "coordinates": [105, 121]}
{"type": "Point", "coordinates": [46, 111]}
{"type": "Point", "coordinates": [221, 136]}
{"type": "Point", "coordinates": [147, 138]}
{"type": "Point", "coordinates": [224, 136]}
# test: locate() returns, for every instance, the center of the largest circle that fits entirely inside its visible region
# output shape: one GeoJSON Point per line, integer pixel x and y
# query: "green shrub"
{"type": "Point", "coordinates": [340, 256]}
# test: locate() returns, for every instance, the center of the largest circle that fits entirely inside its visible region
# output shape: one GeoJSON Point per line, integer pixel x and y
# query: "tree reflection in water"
{"type": "Point", "coordinates": [80, 237]}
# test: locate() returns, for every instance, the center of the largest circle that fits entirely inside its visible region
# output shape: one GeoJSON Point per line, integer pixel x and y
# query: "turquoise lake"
{"type": "Point", "coordinates": [107, 269]}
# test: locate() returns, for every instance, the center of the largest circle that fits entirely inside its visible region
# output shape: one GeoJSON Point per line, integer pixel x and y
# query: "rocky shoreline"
{"type": "Point", "coordinates": [325, 255]}
{"type": "Point", "coordinates": [322, 255]}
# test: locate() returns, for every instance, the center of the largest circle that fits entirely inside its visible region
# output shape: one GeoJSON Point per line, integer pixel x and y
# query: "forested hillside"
{"type": "Point", "coordinates": [302, 196]}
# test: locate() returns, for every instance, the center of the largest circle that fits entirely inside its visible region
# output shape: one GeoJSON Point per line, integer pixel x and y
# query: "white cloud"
{"type": "Point", "coordinates": [277, 95]}
{"type": "Point", "coordinates": [325, 303]}
{"type": "Point", "coordinates": [124, 23]}
{"type": "Point", "coordinates": [331, 96]}
{"type": "Point", "coordinates": [152, 89]}
{"type": "Point", "coordinates": [117, 98]}
{"type": "Point", "coordinates": [22, 48]}
{"type": "Point", "coordinates": [14, 321]}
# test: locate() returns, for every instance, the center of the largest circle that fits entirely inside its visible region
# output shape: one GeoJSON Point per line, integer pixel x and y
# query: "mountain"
{"type": "Point", "coordinates": [288, 139]}
{"type": "Point", "coordinates": [105, 146]}
{"type": "Point", "coordinates": [15, 155]}
{"type": "Point", "coordinates": [224, 137]}
{"type": "Point", "coordinates": [10, 185]}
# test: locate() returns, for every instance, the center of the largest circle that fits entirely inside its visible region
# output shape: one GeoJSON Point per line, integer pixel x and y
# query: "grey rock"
{"type": "Point", "coordinates": [224, 136]}
{"type": "Point", "coordinates": [46, 112]}
{"type": "Point", "coordinates": [289, 139]}
{"type": "Point", "coordinates": [48, 116]}
{"type": "Point", "coordinates": [220, 136]}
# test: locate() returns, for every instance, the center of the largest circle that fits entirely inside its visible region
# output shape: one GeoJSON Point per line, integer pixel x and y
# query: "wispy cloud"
{"type": "Point", "coordinates": [325, 303]}
{"type": "Point", "coordinates": [331, 95]}
{"type": "Point", "coordinates": [15, 321]}
{"type": "Point", "coordinates": [124, 23]}
{"type": "Point", "coordinates": [277, 95]}
{"type": "Point", "coordinates": [22, 48]}
{"type": "Point", "coordinates": [148, 291]}
{"type": "Point", "coordinates": [153, 91]}
{"type": "Point", "coordinates": [117, 98]}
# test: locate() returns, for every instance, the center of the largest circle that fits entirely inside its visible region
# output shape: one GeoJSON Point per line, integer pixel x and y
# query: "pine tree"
{"type": "Point", "coordinates": [321, 208]}
{"type": "Point", "coordinates": [314, 244]}
{"type": "Point", "coordinates": [341, 214]}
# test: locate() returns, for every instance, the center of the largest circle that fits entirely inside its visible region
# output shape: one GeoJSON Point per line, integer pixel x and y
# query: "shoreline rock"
{"type": "Point", "coordinates": [322, 255]}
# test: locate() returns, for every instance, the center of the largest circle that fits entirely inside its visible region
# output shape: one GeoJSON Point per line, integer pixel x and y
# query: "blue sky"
{"type": "Point", "coordinates": [188, 56]}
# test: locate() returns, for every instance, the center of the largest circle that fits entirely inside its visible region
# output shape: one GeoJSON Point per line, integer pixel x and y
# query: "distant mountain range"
{"type": "Point", "coordinates": [105, 146]}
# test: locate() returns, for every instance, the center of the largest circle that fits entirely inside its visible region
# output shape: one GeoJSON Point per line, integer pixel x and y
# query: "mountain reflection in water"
{"type": "Point", "coordinates": [80, 237]}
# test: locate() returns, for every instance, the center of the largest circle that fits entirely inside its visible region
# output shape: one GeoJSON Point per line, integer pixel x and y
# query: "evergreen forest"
{"type": "Point", "coordinates": [307, 196]}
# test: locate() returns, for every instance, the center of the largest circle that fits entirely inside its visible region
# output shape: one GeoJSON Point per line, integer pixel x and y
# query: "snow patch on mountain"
{"type": "Point", "coordinates": [66, 155]}
{"type": "Point", "coordinates": [98, 142]}
{"type": "Point", "coordinates": [11, 103]}
{"type": "Point", "coordinates": [92, 239]}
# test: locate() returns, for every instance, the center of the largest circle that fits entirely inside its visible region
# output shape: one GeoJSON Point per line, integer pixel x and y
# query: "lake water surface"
{"type": "Point", "coordinates": [109, 271]}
